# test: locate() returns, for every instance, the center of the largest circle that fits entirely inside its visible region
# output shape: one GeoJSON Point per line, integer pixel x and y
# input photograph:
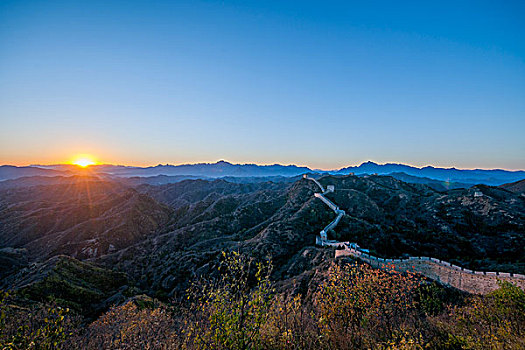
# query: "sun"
{"type": "Point", "coordinates": [84, 161]}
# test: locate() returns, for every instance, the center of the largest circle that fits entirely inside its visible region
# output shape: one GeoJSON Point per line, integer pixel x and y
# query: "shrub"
{"type": "Point", "coordinates": [494, 321]}
{"type": "Point", "coordinates": [362, 307]}
{"type": "Point", "coordinates": [230, 310]}
{"type": "Point", "coordinates": [38, 327]}
{"type": "Point", "coordinates": [132, 326]}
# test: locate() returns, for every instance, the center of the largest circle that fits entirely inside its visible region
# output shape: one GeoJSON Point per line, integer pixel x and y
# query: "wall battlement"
{"type": "Point", "coordinates": [475, 282]}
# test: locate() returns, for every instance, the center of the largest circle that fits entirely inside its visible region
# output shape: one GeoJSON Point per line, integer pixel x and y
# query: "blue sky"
{"type": "Point", "coordinates": [324, 84]}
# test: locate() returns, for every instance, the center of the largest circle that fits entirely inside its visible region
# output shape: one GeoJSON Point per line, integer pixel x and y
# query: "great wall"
{"type": "Point", "coordinates": [475, 282]}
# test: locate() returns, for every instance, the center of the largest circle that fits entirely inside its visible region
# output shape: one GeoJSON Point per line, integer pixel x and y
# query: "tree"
{"type": "Point", "coordinates": [362, 307]}
{"type": "Point", "coordinates": [232, 308]}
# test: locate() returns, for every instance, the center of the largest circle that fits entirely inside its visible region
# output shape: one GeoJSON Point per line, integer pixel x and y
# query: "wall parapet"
{"type": "Point", "coordinates": [471, 281]}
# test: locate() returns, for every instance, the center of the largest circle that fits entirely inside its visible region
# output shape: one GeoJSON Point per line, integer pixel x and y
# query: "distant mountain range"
{"type": "Point", "coordinates": [438, 185]}
{"type": "Point", "coordinates": [475, 176]}
{"type": "Point", "coordinates": [451, 177]}
{"type": "Point", "coordinates": [8, 172]}
{"type": "Point", "coordinates": [213, 170]}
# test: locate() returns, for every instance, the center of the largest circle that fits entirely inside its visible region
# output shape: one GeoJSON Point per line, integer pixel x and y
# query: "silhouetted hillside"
{"type": "Point", "coordinates": [516, 187]}
{"type": "Point", "coordinates": [12, 172]}
{"type": "Point", "coordinates": [435, 184]}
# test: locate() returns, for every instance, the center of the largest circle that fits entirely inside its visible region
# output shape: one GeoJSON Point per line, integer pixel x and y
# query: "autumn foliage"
{"type": "Point", "coordinates": [353, 307]}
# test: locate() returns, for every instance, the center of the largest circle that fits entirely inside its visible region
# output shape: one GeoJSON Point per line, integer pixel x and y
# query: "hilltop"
{"type": "Point", "coordinates": [516, 187]}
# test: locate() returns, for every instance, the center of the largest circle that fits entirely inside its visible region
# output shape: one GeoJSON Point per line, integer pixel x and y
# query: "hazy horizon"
{"type": "Point", "coordinates": [322, 85]}
{"type": "Point", "coordinates": [262, 164]}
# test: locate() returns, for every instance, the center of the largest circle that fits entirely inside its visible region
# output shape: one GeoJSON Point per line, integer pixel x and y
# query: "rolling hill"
{"type": "Point", "coordinates": [161, 237]}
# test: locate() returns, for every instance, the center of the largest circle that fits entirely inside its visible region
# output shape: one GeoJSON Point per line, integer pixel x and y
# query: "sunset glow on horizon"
{"type": "Point", "coordinates": [84, 161]}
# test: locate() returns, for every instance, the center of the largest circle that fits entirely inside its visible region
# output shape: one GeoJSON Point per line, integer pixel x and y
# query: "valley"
{"type": "Point", "coordinates": [162, 235]}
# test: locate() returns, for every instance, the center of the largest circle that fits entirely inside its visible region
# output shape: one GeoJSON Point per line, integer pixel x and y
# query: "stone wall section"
{"type": "Point", "coordinates": [475, 282]}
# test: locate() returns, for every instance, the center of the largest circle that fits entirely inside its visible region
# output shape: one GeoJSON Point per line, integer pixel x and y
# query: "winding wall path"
{"type": "Point", "coordinates": [476, 282]}
{"type": "Point", "coordinates": [340, 213]}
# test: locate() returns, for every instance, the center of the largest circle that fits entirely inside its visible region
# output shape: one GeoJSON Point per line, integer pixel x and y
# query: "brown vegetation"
{"type": "Point", "coordinates": [355, 307]}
